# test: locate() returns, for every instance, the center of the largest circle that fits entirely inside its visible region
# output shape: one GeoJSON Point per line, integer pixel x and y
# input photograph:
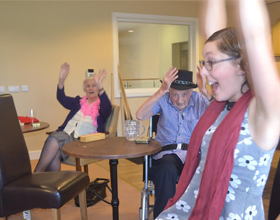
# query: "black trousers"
{"type": "Point", "coordinates": [165, 173]}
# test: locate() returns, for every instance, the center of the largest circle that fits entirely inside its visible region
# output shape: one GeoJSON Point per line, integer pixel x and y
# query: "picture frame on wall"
{"type": "Point", "coordinates": [275, 33]}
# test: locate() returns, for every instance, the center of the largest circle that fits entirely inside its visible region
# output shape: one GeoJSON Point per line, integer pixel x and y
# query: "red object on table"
{"type": "Point", "coordinates": [26, 119]}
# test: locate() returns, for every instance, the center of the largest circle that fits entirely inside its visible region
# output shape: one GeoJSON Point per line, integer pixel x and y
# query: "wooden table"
{"type": "Point", "coordinates": [29, 128]}
{"type": "Point", "coordinates": [112, 148]}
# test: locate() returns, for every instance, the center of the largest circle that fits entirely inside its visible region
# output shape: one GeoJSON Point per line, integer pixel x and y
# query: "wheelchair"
{"type": "Point", "coordinates": [148, 190]}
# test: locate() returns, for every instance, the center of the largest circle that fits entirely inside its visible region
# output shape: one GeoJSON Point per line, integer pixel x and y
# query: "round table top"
{"type": "Point", "coordinates": [29, 128]}
{"type": "Point", "coordinates": [110, 148]}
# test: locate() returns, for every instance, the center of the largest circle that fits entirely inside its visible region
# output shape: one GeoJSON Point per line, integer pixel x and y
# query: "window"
{"type": "Point", "coordinates": [156, 43]}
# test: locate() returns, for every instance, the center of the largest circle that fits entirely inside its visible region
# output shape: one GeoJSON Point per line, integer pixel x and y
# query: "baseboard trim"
{"type": "Point", "coordinates": [34, 155]}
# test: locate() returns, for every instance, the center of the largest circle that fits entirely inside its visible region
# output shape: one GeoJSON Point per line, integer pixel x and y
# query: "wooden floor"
{"type": "Point", "coordinates": [132, 174]}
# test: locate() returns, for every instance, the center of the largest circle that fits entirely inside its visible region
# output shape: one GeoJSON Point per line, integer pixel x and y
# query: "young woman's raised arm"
{"type": "Point", "coordinates": [264, 110]}
{"type": "Point", "coordinates": [216, 17]}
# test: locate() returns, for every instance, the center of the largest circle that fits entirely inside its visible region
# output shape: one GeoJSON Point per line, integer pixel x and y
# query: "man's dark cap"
{"type": "Point", "coordinates": [184, 81]}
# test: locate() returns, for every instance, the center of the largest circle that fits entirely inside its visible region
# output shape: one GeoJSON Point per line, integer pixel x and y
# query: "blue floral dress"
{"type": "Point", "coordinates": [249, 175]}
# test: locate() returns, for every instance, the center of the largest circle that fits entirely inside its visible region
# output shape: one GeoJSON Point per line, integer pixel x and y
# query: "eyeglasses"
{"type": "Point", "coordinates": [209, 64]}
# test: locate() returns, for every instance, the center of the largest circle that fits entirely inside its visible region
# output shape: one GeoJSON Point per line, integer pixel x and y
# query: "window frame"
{"type": "Point", "coordinates": [154, 19]}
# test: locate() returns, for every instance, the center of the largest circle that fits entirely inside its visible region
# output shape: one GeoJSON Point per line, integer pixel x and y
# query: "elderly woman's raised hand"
{"type": "Point", "coordinates": [64, 70]}
{"type": "Point", "coordinates": [99, 78]}
{"type": "Point", "coordinates": [169, 77]}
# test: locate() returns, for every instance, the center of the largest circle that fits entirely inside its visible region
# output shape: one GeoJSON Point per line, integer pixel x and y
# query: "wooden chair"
{"type": "Point", "coordinates": [20, 189]}
{"type": "Point", "coordinates": [110, 131]}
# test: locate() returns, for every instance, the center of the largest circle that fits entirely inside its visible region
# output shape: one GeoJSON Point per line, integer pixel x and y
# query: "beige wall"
{"type": "Point", "coordinates": [37, 37]}
{"type": "Point", "coordinates": [274, 15]}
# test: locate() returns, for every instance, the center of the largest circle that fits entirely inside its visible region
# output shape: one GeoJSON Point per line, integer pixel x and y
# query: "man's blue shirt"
{"type": "Point", "coordinates": [175, 126]}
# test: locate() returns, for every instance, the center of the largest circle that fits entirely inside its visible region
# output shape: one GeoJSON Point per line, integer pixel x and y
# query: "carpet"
{"type": "Point", "coordinates": [128, 205]}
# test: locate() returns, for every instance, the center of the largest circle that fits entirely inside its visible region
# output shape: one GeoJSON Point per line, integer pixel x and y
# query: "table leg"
{"type": "Point", "coordinates": [78, 166]}
{"type": "Point", "coordinates": [114, 186]}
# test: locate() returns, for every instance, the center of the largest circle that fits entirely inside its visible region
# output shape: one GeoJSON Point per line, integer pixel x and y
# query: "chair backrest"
{"type": "Point", "coordinates": [14, 157]}
{"type": "Point", "coordinates": [112, 121]}
{"type": "Point", "coordinates": [153, 124]}
{"type": "Point", "coordinates": [152, 133]}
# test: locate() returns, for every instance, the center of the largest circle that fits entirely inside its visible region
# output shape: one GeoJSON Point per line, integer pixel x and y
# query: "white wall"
{"type": "Point", "coordinates": [139, 52]}
{"type": "Point", "coordinates": [147, 52]}
{"type": "Point", "coordinates": [170, 34]}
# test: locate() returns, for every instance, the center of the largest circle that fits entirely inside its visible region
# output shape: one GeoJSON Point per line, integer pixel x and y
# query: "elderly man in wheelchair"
{"type": "Point", "coordinates": [179, 108]}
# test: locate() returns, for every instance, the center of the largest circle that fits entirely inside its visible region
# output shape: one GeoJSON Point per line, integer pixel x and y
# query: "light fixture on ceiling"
{"type": "Point", "coordinates": [130, 31]}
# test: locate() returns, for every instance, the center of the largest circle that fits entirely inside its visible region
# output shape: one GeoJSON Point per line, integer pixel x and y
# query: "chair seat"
{"type": "Point", "coordinates": [20, 189]}
{"type": "Point", "coordinates": [43, 190]}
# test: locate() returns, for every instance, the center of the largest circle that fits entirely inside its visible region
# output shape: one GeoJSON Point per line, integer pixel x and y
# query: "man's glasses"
{"type": "Point", "coordinates": [209, 64]}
